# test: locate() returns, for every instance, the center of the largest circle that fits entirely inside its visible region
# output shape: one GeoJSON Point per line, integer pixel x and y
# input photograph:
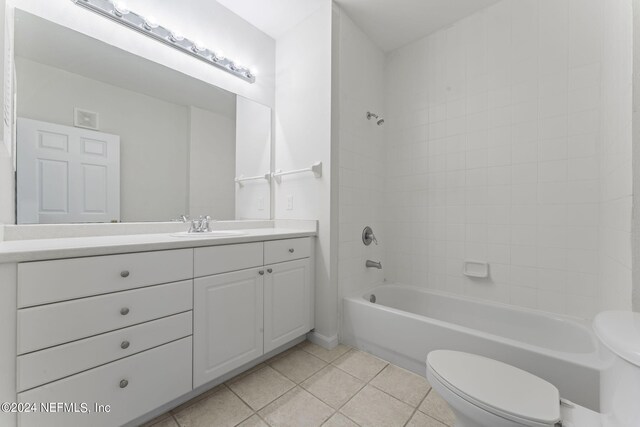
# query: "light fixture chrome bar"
{"type": "Point", "coordinates": [114, 11]}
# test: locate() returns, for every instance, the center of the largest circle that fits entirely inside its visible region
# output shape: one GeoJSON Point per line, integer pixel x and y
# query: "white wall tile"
{"type": "Point", "coordinates": [526, 158]}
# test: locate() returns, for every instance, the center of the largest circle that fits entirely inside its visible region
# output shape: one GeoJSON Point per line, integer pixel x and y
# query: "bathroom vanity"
{"type": "Point", "coordinates": [147, 321]}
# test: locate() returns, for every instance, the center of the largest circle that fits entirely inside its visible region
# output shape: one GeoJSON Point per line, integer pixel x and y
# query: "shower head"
{"type": "Point", "coordinates": [379, 120]}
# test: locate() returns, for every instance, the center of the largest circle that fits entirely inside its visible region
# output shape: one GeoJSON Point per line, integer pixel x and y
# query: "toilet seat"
{"type": "Point", "coordinates": [517, 395]}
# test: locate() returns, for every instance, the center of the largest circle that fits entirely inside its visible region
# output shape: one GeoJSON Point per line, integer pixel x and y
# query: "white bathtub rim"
{"type": "Point", "coordinates": [589, 360]}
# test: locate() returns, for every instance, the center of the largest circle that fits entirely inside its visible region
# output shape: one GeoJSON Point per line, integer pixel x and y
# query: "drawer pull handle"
{"type": "Point", "coordinates": [269, 270]}
{"type": "Point", "coordinates": [124, 273]}
{"type": "Point", "coordinates": [124, 311]}
{"type": "Point", "coordinates": [291, 250]}
{"type": "Point", "coordinates": [124, 383]}
{"type": "Point", "coordinates": [124, 345]}
{"type": "Point", "coordinates": [261, 272]}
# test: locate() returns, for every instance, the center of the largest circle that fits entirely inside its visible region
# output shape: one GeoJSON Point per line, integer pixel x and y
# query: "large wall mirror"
{"type": "Point", "coordinates": [103, 135]}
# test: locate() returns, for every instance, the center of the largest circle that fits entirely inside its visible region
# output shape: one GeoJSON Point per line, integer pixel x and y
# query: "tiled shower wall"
{"type": "Point", "coordinates": [616, 157]}
{"type": "Point", "coordinates": [361, 155]}
{"type": "Point", "coordinates": [507, 141]}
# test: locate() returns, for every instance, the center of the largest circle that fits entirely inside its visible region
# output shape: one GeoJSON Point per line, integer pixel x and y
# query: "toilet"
{"type": "Point", "coordinates": [483, 392]}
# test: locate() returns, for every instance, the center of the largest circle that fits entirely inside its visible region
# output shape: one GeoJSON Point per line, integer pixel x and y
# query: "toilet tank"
{"type": "Point", "coordinates": [619, 332]}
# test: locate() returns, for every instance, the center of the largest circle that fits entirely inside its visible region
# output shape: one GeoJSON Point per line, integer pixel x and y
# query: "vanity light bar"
{"type": "Point", "coordinates": [117, 12]}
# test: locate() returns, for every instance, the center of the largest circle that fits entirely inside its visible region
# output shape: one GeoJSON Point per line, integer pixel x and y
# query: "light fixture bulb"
{"type": "Point", "coordinates": [217, 56]}
{"type": "Point", "coordinates": [120, 8]}
{"type": "Point", "coordinates": [176, 36]}
{"type": "Point", "coordinates": [197, 47]}
{"type": "Point", "coordinates": [150, 23]}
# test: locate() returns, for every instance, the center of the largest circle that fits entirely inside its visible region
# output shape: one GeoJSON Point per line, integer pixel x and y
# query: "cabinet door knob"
{"type": "Point", "coordinates": [124, 311]}
{"type": "Point", "coordinates": [261, 272]}
{"type": "Point", "coordinates": [269, 270]}
{"type": "Point", "coordinates": [124, 345]}
{"type": "Point", "coordinates": [291, 250]}
{"type": "Point", "coordinates": [124, 383]}
{"type": "Point", "coordinates": [124, 273]}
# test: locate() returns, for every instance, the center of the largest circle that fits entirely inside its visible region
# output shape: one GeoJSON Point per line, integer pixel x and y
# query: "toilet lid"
{"type": "Point", "coordinates": [497, 387]}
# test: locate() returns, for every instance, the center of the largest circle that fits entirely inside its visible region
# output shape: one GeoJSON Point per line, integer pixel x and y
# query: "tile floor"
{"type": "Point", "coordinates": [309, 386]}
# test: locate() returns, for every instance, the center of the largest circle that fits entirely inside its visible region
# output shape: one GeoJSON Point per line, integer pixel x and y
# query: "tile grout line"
{"type": "Point", "coordinates": [416, 408]}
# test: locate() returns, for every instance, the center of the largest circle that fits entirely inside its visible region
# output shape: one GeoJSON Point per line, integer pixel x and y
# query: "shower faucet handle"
{"type": "Point", "coordinates": [368, 236]}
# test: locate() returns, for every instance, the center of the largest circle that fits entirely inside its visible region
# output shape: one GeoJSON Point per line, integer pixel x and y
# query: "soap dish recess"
{"type": "Point", "coordinates": [476, 269]}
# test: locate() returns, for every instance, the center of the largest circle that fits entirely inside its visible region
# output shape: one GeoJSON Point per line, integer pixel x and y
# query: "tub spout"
{"type": "Point", "coordinates": [374, 264]}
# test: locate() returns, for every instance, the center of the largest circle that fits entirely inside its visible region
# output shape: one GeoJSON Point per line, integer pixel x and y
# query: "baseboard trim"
{"type": "Point", "coordinates": [323, 340]}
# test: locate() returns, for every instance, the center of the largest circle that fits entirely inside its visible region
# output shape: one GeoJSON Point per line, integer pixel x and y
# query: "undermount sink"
{"type": "Point", "coordinates": [215, 233]}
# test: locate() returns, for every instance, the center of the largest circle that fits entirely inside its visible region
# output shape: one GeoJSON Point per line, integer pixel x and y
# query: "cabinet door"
{"type": "Point", "coordinates": [287, 289]}
{"type": "Point", "coordinates": [227, 323]}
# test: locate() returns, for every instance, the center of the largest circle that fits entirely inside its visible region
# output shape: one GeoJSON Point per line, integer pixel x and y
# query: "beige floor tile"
{"type": "Point", "coordinates": [296, 408]}
{"type": "Point", "coordinates": [401, 384]}
{"type": "Point", "coordinates": [374, 408]}
{"type": "Point", "coordinates": [339, 420]}
{"type": "Point", "coordinates": [220, 409]}
{"type": "Point", "coordinates": [333, 386]}
{"type": "Point", "coordinates": [436, 407]}
{"type": "Point", "coordinates": [197, 398]}
{"type": "Point", "coordinates": [298, 365]}
{"type": "Point", "coordinates": [282, 354]}
{"type": "Point", "coordinates": [421, 420]}
{"type": "Point", "coordinates": [261, 387]}
{"type": "Point", "coordinates": [361, 365]}
{"type": "Point", "coordinates": [321, 352]}
{"type": "Point", "coordinates": [254, 421]}
{"type": "Point", "coordinates": [165, 420]}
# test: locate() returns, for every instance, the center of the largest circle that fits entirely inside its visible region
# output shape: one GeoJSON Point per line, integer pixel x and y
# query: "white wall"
{"type": "Point", "coordinates": [302, 137]}
{"type": "Point", "coordinates": [616, 193]}
{"type": "Point", "coordinates": [153, 135]}
{"type": "Point", "coordinates": [635, 238]}
{"type": "Point", "coordinates": [495, 144]}
{"type": "Point", "coordinates": [253, 158]}
{"type": "Point", "coordinates": [212, 161]}
{"type": "Point", "coordinates": [361, 156]}
{"type": "Point", "coordinates": [214, 25]}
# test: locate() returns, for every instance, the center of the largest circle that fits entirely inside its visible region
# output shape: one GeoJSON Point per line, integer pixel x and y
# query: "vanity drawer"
{"type": "Point", "coordinates": [53, 324]}
{"type": "Point", "coordinates": [153, 378]}
{"type": "Point", "coordinates": [223, 259]}
{"type": "Point", "coordinates": [43, 282]}
{"type": "Point", "coordinates": [286, 250]}
{"type": "Point", "coordinates": [49, 365]}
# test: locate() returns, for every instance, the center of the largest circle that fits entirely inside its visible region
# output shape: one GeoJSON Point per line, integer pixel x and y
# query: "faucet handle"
{"type": "Point", "coordinates": [204, 224]}
{"type": "Point", "coordinates": [368, 236]}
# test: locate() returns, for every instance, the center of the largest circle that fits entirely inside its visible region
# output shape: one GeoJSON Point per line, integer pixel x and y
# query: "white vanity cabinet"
{"type": "Point", "coordinates": [241, 315]}
{"type": "Point", "coordinates": [106, 330]}
{"type": "Point", "coordinates": [137, 331]}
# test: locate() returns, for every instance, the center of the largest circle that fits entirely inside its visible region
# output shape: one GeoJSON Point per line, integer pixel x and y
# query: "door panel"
{"type": "Point", "coordinates": [228, 319]}
{"type": "Point", "coordinates": [287, 289]}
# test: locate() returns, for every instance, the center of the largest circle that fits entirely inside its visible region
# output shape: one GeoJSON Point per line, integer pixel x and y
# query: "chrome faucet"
{"type": "Point", "coordinates": [181, 218]}
{"type": "Point", "coordinates": [373, 264]}
{"type": "Point", "coordinates": [200, 225]}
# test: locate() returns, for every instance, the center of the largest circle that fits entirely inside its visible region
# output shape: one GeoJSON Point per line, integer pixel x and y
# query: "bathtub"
{"type": "Point", "coordinates": [406, 323]}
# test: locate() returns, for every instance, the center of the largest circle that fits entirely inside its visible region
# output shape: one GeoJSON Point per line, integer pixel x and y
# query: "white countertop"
{"type": "Point", "coordinates": [72, 247]}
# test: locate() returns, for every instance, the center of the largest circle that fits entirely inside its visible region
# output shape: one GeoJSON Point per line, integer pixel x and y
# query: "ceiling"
{"type": "Point", "coordinates": [51, 44]}
{"type": "Point", "coordinates": [394, 23]}
{"type": "Point", "coordinates": [273, 17]}
{"type": "Point", "coordinates": [389, 23]}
